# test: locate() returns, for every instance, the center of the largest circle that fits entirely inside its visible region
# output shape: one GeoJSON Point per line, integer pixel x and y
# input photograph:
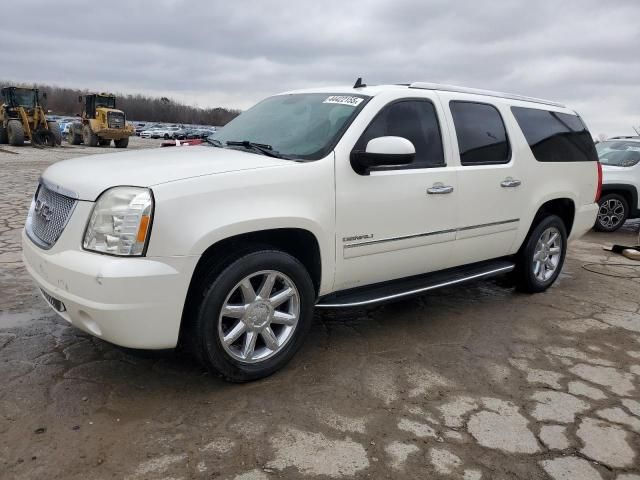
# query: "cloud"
{"type": "Point", "coordinates": [221, 53]}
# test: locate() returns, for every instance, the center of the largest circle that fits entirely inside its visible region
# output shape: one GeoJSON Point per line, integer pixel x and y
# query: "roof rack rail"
{"type": "Point", "coordinates": [477, 91]}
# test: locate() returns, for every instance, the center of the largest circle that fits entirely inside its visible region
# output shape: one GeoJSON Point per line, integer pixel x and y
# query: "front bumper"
{"type": "Point", "coordinates": [115, 133]}
{"type": "Point", "coordinates": [132, 302]}
{"type": "Point", "coordinates": [584, 220]}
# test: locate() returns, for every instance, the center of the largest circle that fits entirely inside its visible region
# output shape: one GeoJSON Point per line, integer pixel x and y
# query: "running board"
{"type": "Point", "coordinates": [412, 286]}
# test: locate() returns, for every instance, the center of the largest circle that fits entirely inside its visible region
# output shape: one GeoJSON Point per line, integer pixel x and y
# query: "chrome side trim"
{"type": "Point", "coordinates": [417, 290]}
{"type": "Point", "coordinates": [486, 93]}
{"type": "Point", "coordinates": [393, 239]}
{"type": "Point", "coordinates": [492, 224]}
{"type": "Point", "coordinates": [428, 234]}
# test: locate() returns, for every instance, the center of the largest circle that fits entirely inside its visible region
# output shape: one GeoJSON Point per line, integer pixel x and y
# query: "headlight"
{"type": "Point", "coordinates": [120, 222]}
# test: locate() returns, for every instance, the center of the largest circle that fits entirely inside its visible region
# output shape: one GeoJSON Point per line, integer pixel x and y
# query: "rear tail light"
{"type": "Point", "coordinates": [599, 187]}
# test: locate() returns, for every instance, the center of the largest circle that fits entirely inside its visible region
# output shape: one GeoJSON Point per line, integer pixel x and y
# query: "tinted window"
{"type": "Point", "coordinates": [415, 120]}
{"type": "Point", "coordinates": [554, 136]}
{"type": "Point", "coordinates": [482, 137]}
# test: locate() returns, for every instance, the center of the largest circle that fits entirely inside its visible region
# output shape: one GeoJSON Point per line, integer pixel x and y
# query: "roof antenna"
{"type": "Point", "coordinates": [359, 83]}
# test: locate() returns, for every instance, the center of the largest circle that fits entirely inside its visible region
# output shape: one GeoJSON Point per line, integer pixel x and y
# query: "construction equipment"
{"type": "Point", "coordinates": [100, 123]}
{"type": "Point", "coordinates": [23, 118]}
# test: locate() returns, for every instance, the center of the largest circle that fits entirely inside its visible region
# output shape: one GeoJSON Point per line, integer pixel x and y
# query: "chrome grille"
{"type": "Point", "coordinates": [115, 119]}
{"type": "Point", "coordinates": [48, 216]}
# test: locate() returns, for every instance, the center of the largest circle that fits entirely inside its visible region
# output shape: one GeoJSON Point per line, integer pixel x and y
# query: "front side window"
{"type": "Point", "coordinates": [482, 136]}
{"type": "Point", "coordinates": [555, 136]}
{"type": "Point", "coordinates": [415, 120]}
{"type": "Point", "coordinates": [618, 153]}
{"type": "Point", "coordinates": [304, 125]}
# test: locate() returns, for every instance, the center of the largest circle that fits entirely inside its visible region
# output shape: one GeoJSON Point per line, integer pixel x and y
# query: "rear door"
{"type": "Point", "coordinates": [491, 182]}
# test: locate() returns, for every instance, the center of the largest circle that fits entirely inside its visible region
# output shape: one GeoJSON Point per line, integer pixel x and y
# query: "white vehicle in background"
{"type": "Point", "coordinates": [620, 159]}
{"type": "Point", "coordinates": [327, 198]}
{"type": "Point", "coordinates": [149, 133]}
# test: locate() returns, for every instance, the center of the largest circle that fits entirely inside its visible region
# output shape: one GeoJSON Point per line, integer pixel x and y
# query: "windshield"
{"type": "Point", "coordinates": [619, 153]}
{"type": "Point", "coordinates": [104, 101]}
{"type": "Point", "coordinates": [305, 125]}
{"type": "Point", "coordinates": [24, 97]}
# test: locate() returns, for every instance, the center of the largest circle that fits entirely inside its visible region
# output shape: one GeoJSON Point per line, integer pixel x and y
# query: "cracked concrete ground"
{"type": "Point", "coordinates": [476, 382]}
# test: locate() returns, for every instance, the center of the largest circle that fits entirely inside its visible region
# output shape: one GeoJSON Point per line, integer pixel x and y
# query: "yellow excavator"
{"type": "Point", "coordinates": [22, 118]}
{"type": "Point", "coordinates": [100, 123]}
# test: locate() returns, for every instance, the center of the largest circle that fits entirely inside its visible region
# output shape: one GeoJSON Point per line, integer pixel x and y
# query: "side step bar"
{"type": "Point", "coordinates": [412, 286]}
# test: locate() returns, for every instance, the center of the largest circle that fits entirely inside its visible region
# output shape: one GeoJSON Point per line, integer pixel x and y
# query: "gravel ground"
{"type": "Point", "coordinates": [474, 382]}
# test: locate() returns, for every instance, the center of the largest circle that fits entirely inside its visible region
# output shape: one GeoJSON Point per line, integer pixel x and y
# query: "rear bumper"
{"type": "Point", "coordinates": [132, 302]}
{"type": "Point", "coordinates": [584, 220]}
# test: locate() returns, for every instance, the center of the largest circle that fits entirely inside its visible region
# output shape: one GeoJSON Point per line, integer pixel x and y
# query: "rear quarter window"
{"type": "Point", "coordinates": [555, 136]}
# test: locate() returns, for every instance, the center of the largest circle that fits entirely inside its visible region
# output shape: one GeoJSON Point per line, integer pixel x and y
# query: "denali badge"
{"type": "Point", "coordinates": [357, 237]}
{"type": "Point", "coordinates": [43, 209]}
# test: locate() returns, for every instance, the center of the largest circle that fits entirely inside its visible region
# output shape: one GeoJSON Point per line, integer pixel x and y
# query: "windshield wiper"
{"type": "Point", "coordinates": [214, 142]}
{"type": "Point", "coordinates": [259, 147]}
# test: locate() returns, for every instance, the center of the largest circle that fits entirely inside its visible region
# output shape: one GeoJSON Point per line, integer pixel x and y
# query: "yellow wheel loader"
{"type": "Point", "coordinates": [100, 123]}
{"type": "Point", "coordinates": [22, 118]}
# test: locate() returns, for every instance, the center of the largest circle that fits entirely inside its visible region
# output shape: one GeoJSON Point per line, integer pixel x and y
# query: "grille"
{"type": "Point", "coordinates": [115, 119]}
{"type": "Point", "coordinates": [48, 216]}
{"type": "Point", "coordinates": [55, 303]}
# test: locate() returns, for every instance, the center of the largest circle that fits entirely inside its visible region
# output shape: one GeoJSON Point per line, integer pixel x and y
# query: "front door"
{"type": "Point", "coordinates": [400, 221]}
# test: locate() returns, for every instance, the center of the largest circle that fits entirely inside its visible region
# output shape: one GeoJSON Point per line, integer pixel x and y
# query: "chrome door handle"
{"type": "Point", "coordinates": [439, 189]}
{"type": "Point", "coordinates": [510, 182]}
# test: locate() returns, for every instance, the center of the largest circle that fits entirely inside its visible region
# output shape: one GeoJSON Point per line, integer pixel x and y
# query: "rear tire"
{"type": "Point", "coordinates": [55, 129]}
{"type": "Point", "coordinates": [122, 143]}
{"type": "Point", "coordinates": [15, 132]}
{"type": "Point", "coordinates": [73, 137]}
{"type": "Point", "coordinates": [260, 322]}
{"type": "Point", "coordinates": [90, 139]}
{"type": "Point", "coordinates": [541, 258]}
{"type": "Point", "coordinates": [613, 211]}
{"type": "Point", "coordinates": [4, 138]}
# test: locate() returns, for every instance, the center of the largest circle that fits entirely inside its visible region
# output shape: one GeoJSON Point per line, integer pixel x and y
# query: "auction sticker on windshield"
{"type": "Point", "coordinates": [344, 100]}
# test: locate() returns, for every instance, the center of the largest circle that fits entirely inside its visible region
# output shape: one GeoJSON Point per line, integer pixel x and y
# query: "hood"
{"type": "Point", "coordinates": [88, 177]}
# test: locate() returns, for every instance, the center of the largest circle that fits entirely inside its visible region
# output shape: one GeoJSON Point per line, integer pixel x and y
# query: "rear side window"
{"type": "Point", "coordinates": [482, 137]}
{"type": "Point", "coordinates": [555, 136]}
{"type": "Point", "coordinates": [415, 120]}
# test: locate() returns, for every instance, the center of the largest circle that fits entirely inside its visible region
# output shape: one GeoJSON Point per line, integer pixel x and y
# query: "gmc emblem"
{"type": "Point", "coordinates": [43, 209]}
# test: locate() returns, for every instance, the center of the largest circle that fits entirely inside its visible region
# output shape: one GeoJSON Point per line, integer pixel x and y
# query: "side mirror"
{"type": "Point", "coordinates": [383, 152]}
{"type": "Point", "coordinates": [44, 95]}
{"type": "Point", "coordinates": [79, 98]}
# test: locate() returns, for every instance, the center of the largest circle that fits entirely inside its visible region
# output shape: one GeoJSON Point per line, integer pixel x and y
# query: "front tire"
{"type": "Point", "coordinates": [541, 258]}
{"type": "Point", "coordinates": [612, 213]}
{"type": "Point", "coordinates": [253, 316]}
{"type": "Point", "coordinates": [122, 143]}
{"type": "Point", "coordinates": [15, 132]}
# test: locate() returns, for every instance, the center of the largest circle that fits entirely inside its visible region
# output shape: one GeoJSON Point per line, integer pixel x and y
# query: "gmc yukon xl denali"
{"type": "Point", "coordinates": [322, 198]}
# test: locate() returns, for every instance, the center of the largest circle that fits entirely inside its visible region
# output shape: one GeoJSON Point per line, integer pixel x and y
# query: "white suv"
{"type": "Point", "coordinates": [620, 159]}
{"type": "Point", "coordinates": [332, 197]}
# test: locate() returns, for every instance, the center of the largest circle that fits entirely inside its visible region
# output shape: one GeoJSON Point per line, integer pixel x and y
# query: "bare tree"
{"type": "Point", "coordinates": [64, 101]}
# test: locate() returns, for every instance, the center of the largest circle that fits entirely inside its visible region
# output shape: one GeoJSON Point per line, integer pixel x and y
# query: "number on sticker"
{"type": "Point", "coordinates": [344, 100]}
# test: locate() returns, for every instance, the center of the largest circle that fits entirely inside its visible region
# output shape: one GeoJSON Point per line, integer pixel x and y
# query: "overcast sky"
{"type": "Point", "coordinates": [232, 53]}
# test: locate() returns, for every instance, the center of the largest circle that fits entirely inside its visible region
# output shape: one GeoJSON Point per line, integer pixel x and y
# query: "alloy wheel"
{"type": "Point", "coordinates": [259, 316]}
{"type": "Point", "coordinates": [547, 253]}
{"type": "Point", "coordinates": [611, 213]}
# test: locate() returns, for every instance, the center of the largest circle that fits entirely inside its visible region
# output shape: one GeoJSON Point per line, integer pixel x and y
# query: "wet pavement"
{"type": "Point", "coordinates": [474, 382]}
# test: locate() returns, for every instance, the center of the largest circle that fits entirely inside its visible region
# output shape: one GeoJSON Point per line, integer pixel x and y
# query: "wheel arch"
{"type": "Point", "coordinates": [297, 242]}
{"type": "Point", "coordinates": [629, 192]}
{"type": "Point", "coordinates": [563, 207]}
